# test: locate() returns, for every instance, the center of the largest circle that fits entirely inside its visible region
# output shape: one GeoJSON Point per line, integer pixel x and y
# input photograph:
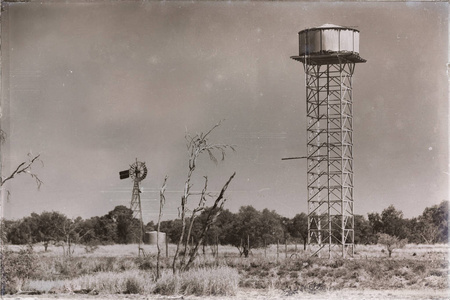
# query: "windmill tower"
{"type": "Point", "coordinates": [329, 54]}
{"type": "Point", "coordinates": [137, 172]}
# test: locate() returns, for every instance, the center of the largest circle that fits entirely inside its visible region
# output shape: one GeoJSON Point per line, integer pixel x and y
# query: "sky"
{"type": "Point", "coordinates": [91, 86]}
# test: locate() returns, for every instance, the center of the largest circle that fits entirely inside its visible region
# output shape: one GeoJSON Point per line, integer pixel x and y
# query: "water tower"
{"type": "Point", "coordinates": [329, 54]}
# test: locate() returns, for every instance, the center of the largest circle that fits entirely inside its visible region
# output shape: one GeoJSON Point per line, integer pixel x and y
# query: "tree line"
{"type": "Point", "coordinates": [116, 227]}
{"type": "Point", "coordinates": [247, 226]}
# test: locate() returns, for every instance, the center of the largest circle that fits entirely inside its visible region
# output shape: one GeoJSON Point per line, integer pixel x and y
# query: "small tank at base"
{"type": "Point", "coordinates": [150, 238]}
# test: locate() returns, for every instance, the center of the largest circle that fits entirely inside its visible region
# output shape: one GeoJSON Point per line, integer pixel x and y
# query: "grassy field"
{"type": "Point", "coordinates": [116, 270]}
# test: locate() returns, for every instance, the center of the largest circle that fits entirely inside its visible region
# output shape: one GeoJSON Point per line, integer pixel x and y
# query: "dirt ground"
{"type": "Point", "coordinates": [245, 294]}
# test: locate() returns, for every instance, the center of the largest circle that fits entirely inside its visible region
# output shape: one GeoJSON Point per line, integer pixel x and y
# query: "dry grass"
{"type": "Point", "coordinates": [202, 281]}
{"type": "Point", "coordinates": [319, 275]}
{"type": "Point", "coordinates": [205, 281]}
{"type": "Point", "coordinates": [421, 251]}
{"type": "Point", "coordinates": [130, 250]}
{"type": "Point", "coordinates": [116, 269]}
{"type": "Point", "coordinates": [361, 251]}
{"type": "Point", "coordinates": [128, 282]}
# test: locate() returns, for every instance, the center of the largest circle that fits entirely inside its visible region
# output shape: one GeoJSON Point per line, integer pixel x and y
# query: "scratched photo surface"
{"type": "Point", "coordinates": [93, 86]}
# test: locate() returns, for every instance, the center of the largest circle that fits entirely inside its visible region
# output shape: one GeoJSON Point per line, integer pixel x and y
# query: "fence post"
{"type": "Point", "coordinates": [278, 248]}
{"type": "Point", "coordinates": [285, 248]}
{"type": "Point", "coordinates": [265, 249]}
{"type": "Point", "coordinates": [241, 247]}
{"type": "Point", "coordinates": [217, 247]}
{"type": "Point", "coordinates": [167, 248]}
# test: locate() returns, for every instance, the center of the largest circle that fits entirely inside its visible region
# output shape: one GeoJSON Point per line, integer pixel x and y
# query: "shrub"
{"type": "Point", "coordinates": [104, 265]}
{"type": "Point", "coordinates": [146, 262]}
{"type": "Point", "coordinates": [341, 272]}
{"type": "Point", "coordinates": [436, 273]}
{"type": "Point", "coordinates": [391, 242]}
{"type": "Point", "coordinates": [336, 263]}
{"type": "Point", "coordinates": [314, 287]}
{"type": "Point", "coordinates": [18, 267]}
{"type": "Point", "coordinates": [91, 247]}
{"type": "Point", "coordinates": [132, 286]}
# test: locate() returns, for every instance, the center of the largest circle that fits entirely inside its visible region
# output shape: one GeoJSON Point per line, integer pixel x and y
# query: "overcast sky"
{"type": "Point", "coordinates": [93, 86]}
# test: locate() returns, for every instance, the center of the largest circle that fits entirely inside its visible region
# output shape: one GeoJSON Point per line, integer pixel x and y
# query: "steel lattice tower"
{"type": "Point", "coordinates": [329, 54]}
{"type": "Point", "coordinates": [137, 212]}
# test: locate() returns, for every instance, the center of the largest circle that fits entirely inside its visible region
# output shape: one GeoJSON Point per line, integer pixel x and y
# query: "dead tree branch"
{"type": "Point", "coordinates": [25, 167]}
{"type": "Point", "coordinates": [216, 209]}
{"type": "Point", "coordinates": [199, 208]}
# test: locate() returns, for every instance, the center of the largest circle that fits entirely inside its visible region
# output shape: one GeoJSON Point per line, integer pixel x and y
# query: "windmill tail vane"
{"type": "Point", "coordinates": [124, 174]}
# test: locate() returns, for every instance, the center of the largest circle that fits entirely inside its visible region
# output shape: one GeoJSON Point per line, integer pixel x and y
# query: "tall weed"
{"type": "Point", "coordinates": [201, 282]}
{"type": "Point", "coordinates": [128, 282]}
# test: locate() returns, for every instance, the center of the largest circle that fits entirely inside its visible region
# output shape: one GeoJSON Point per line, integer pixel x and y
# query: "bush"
{"type": "Point", "coordinates": [18, 267]}
{"type": "Point", "coordinates": [132, 286]}
{"type": "Point", "coordinates": [90, 248]}
{"type": "Point", "coordinates": [391, 242]}
{"type": "Point", "coordinates": [336, 263]}
{"type": "Point", "coordinates": [146, 262]}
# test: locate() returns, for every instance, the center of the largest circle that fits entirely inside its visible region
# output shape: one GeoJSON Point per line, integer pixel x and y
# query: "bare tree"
{"type": "Point", "coordinates": [210, 219]}
{"type": "Point", "coordinates": [162, 201]}
{"type": "Point", "coordinates": [200, 207]}
{"type": "Point", "coordinates": [196, 145]}
{"type": "Point", "coordinates": [72, 232]}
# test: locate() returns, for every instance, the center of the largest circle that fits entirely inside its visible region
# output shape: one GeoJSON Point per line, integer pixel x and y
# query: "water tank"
{"type": "Point", "coordinates": [328, 39]}
{"type": "Point", "coordinates": [151, 236]}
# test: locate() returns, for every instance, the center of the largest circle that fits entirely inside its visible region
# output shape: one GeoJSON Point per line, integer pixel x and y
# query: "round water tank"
{"type": "Point", "coordinates": [327, 39]}
{"type": "Point", "coordinates": [151, 237]}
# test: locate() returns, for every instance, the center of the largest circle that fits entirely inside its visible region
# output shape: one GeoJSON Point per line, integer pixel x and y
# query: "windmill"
{"type": "Point", "coordinates": [137, 172]}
